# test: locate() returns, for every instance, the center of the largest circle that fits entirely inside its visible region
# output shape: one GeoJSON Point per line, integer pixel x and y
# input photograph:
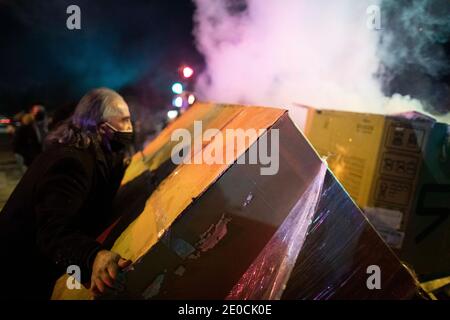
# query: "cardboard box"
{"type": "Point", "coordinates": [391, 166]}
{"type": "Point", "coordinates": [224, 231]}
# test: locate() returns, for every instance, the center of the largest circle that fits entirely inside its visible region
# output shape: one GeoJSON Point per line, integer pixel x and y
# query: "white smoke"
{"type": "Point", "coordinates": [286, 52]}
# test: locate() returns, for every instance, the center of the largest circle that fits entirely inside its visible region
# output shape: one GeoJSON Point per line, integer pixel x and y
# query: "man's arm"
{"type": "Point", "coordinates": [60, 197]}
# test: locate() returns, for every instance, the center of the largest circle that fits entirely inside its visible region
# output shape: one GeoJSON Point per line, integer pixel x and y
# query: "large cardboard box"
{"type": "Point", "coordinates": [397, 169]}
{"type": "Point", "coordinates": [225, 231]}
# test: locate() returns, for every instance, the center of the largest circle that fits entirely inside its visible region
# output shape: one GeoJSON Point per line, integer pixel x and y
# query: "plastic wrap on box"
{"type": "Point", "coordinates": [269, 273]}
{"type": "Point", "coordinates": [340, 249]}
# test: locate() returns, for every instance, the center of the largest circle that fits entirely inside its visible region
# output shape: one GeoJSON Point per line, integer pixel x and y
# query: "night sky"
{"type": "Point", "coordinates": [134, 46]}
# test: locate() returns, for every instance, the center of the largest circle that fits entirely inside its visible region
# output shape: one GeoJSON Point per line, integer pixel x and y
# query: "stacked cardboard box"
{"type": "Point", "coordinates": [397, 169]}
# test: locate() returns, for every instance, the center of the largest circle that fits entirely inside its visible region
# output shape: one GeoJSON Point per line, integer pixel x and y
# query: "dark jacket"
{"type": "Point", "coordinates": [27, 143]}
{"type": "Point", "coordinates": [51, 220]}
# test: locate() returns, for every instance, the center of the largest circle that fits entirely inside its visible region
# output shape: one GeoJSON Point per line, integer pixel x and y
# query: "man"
{"type": "Point", "coordinates": [27, 144]}
{"type": "Point", "coordinates": [63, 203]}
{"type": "Point", "coordinates": [40, 120]}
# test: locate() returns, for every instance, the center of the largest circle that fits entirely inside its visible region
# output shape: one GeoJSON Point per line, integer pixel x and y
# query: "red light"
{"type": "Point", "coordinates": [188, 72]}
{"type": "Point", "coordinates": [5, 120]}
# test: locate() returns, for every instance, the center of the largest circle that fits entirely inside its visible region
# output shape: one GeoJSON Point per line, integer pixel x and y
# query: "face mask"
{"type": "Point", "coordinates": [123, 138]}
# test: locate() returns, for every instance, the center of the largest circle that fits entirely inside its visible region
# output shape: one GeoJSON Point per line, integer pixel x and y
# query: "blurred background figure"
{"type": "Point", "coordinates": [40, 121]}
{"type": "Point", "coordinates": [27, 141]}
{"type": "Point", "coordinates": [10, 168]}
{"type": "Point", "coordinates": [28, 137]}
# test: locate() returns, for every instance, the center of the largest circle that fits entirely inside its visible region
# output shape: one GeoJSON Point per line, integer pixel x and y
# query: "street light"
{"type": "Point", "coordinates": [191, 99]}
{"type": "Point", "coordinates": [172, 114]}
{"type": "Point", "coordinates": [177, 102]}
{"type": "Point", "coordinates": [177, 88]}
{"type": "Point", "coordinates": [188, 72]}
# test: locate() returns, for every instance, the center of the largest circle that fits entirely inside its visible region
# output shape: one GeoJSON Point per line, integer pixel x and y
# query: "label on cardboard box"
{"type": "Point", "coordinates": [405, 138]}
{"type": "Point", "coordinates": [384, 218]}
{"type": "Point", "coordinates": [387, 222]}
{"type": "Point", "coordinates": [395, 192]}
{"type": "Point", "coordinates": [393, 238]}
{"type": "Point", "coordinates": [401, 165]}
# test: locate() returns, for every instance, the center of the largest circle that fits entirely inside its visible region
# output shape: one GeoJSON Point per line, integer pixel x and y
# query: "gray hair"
{"type": "Point", "coordinates": [82, 128]}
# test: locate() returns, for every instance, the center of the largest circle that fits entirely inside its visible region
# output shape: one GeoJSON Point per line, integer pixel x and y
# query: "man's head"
{"type": "Point", "coordinates": [101, 112]}
{"type": "Point", "coordinates": [102, 106]}
{"type": "Point", "coordinates": [38, 113]}
{"type": "Point", "coordinates": [105, 112]}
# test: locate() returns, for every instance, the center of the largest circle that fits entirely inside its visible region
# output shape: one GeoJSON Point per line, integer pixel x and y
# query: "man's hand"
{"type": "Point", "coordinates": [105, 270]}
